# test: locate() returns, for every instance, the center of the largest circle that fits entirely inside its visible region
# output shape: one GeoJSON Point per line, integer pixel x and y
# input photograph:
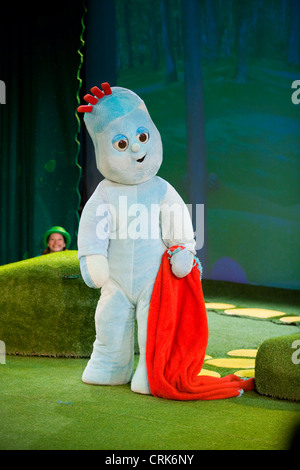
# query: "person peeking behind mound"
{"type": "Point", "coordinates": [56, 239]}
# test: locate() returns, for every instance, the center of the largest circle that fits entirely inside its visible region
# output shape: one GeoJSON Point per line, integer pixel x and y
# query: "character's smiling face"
{"type": "Point", "coordinates": [121, 143]}
{"type": "Point", "coordinates": [128, 148]}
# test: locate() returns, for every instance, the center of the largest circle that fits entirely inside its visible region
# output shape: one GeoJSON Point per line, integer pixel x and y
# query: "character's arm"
{"type": "Point", "coordinates": [177, 229]}
{"type": "Point", "coordinates": [93, 240]}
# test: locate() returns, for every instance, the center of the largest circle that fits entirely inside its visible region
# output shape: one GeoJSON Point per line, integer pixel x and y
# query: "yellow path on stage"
{"type": "Point", "coordinates": [232, 363]}
{"type": "Point", "coordinates": [254, 312]}
{"type": "Point", "coordinates": [217, 306]}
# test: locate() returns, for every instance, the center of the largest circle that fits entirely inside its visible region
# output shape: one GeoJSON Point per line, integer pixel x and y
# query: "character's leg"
{"type": "Point", "coordinates": [139, 383]}
{"type": "Point", "coordinates": [111, 362]}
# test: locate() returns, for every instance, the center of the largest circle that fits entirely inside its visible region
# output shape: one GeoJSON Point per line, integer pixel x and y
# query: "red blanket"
{"type": "Point", "coordinates": [177, 336]}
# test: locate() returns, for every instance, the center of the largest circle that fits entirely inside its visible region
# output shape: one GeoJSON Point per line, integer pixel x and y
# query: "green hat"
{"type": "Point", "coordinates": [57, 229]}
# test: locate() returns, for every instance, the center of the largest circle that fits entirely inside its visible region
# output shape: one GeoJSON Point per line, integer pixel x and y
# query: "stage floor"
{"type": "Point", "coordinates": [45, 405]}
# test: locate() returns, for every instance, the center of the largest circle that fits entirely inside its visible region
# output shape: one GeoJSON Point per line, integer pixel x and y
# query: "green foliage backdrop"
{"type": "Point", "coordinates": [246, 166]}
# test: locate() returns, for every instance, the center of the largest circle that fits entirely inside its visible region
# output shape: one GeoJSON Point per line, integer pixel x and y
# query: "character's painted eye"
{"type": "Point", "coordinates": [120, 142]}
{"type": "Point", "coordinates": [142, 135]}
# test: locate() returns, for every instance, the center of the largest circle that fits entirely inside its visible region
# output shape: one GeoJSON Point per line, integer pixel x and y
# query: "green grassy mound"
{"type": "Point", "coordinates": [277, 368]}
{"type": "Point", "coordinates": [45, 307]}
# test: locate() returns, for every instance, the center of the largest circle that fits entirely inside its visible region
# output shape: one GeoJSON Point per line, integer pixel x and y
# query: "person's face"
{"type": "Point", "coordinates": [56, 242]}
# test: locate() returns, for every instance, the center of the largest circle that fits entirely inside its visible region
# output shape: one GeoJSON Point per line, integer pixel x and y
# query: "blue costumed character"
{"type": "Point", "coordinates": [132, 218]}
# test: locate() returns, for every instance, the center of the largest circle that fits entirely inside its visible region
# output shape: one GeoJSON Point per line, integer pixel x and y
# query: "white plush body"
{"type": "Point", "coordinates": [133, 264]}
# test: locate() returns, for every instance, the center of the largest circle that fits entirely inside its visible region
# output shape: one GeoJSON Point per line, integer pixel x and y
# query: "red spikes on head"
{"type": "Point", "coordinates": [106, 88]}
{"type": "Point", "coordinates": [98, 94]}
{"type": "Point", "coordinates": [84, 109]}
{"type": "Point", "coordinates": [90, 99]}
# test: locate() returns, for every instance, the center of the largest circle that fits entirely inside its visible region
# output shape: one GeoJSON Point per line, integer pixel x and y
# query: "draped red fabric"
{"type": "Point", "coordinates": [177, 337]}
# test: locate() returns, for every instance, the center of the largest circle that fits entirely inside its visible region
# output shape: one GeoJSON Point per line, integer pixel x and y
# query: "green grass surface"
{"type": "Point", "coordinates": [44, 405]}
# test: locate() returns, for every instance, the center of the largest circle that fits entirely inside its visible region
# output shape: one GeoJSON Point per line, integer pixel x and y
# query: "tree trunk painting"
{"type": "Point", "coordinates": [294, 38]}
{"type": "Point", "coordinates": [171, 72]}
{"type": "Point", "coordinates": [241, 11]}
{"type": "Point", "coordinates": [195, 121]}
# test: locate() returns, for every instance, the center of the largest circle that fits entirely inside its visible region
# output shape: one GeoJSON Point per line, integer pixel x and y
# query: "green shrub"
{"type": "Point", "coordinates": [277, 368]}
{"type": "Point", "coordinates": [45, 307]}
